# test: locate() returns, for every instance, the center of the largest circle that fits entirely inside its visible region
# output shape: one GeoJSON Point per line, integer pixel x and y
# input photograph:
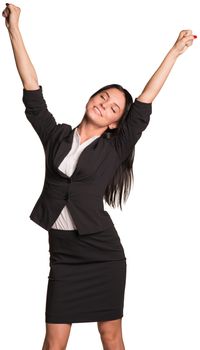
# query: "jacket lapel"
{"type": "Point", "coordinates": [65, 147]}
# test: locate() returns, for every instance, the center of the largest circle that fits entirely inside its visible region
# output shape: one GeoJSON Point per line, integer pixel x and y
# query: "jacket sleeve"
{"type": "Point", "coordinates": [38, 115]}
{"type": "Point", "coordinates": [132, 127]}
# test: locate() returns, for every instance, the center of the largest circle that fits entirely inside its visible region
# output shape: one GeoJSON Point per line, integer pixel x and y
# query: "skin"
{"type": "Point", "coordinates": [110, 332]}
{"type": "Point", "coordinates": [92, 124]}
{"type": "Point", "coordinates": [110, 104]}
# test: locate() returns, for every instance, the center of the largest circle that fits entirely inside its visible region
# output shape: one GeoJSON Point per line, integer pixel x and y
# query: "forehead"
{"type": "Point", "coordinates": [115, 95]}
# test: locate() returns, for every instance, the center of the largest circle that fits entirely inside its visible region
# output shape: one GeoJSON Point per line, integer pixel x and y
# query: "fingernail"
{"type": "Point", "coordinates": [194, 36]}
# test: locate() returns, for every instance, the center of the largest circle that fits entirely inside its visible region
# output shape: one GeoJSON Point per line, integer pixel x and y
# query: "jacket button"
{"type": "Point", "coordinates": [66, 196]}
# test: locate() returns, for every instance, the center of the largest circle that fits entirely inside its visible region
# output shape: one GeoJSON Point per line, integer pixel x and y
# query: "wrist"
{"type": "Point", "coordinates": [13, 30]}
{"type": "Point", "coordinates": [174, 52]}
{"type": "Point", "coordinates": [14, 33]}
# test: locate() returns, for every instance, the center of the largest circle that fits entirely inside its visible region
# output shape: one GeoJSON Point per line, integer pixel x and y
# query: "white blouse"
{"type": "Point", "coordinates": [67, 166]}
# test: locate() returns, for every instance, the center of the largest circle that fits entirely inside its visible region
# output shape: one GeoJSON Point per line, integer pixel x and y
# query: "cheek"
{"type": "Point", "coordinates": [112, 117]}
{"type": "Point", "coordinates": [89, 108]}
{"type": "Point", "coordinates": [91, 103]}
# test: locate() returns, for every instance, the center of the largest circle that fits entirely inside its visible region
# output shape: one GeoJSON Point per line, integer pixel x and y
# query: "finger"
{"type": "Point", "coordinates": [5, 13]}
{"type": "Point", "coordinates": [189, 37]}
{"type": "Point", "coordinates": [184, 33]}
{"type": "Point", "coordinates": [188, 32]}
{"type": "Point", "coordinates": [10, 5]}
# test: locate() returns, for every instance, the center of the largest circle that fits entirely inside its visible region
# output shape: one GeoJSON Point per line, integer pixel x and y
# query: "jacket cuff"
{"type": "Point", "coordinates": [33, 98]}
{"type": "Point", "coordinates": [144, 107]}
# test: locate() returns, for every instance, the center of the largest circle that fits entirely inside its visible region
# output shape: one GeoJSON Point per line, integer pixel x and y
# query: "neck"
{"type": "Point", "coordinates": [87, 130]}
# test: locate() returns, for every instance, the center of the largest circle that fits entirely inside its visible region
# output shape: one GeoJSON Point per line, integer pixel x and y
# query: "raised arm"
{"type": "Point", "coordinates": [36, 108]}
{"type": "Point", "coordinates": [154, 85]}
{"type": "Point", "coordinates": [139, 115]}
{"type": "Point", "coordinates": [25, 68]}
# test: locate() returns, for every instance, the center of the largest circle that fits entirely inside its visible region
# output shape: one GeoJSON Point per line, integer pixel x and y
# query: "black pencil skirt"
{"type": "Point", "coordinates": [87, 277]}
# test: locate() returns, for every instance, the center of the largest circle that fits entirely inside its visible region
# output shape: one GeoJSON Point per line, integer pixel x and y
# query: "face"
{"type": "Point", "coordinates": [106, 108]}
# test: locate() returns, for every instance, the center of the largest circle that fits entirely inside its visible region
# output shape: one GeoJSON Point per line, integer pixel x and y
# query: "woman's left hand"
{"type": "Point", "coordinates": [185, 39]}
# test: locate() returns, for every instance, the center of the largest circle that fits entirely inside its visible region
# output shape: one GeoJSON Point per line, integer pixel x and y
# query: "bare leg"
{"type": "Point", "coordinates": [111, 334]}
{"type": "Point", "coordinates": [57, 336]}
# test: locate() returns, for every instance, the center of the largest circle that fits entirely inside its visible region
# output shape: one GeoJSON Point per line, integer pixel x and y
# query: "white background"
{"type": "Point", "coordinates": [77, 47]}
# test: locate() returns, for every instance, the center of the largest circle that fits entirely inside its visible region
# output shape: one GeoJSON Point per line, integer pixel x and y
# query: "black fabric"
{"type": "Point", "coordinates": [87, 277]}
{"type": "Point", "coordinates": [83, 191]}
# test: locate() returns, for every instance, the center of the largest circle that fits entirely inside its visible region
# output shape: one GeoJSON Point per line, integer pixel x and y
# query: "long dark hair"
{"type": "Point", "coordinates": [120, 185]}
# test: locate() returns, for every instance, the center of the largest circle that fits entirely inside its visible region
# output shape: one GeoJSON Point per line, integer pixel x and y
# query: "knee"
{"type": "Point", "coordinates": [54, 345]}
{"type": "Point", "coordinates": [110, 336]}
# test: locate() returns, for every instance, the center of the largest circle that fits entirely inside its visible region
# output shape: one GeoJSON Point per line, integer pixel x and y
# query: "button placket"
{"type": "Point", "coordinates": [66, 196]}
{"type": "Point", "coordinates": [69, 181]}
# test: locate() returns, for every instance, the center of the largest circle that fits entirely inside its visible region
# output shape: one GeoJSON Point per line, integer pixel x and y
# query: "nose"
{"type": "Point", "coordinates": [103, 105]}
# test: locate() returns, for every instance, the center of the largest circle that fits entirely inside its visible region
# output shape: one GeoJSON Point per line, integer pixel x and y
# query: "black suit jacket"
{"type": "Point", "coordinates": [83, 191]}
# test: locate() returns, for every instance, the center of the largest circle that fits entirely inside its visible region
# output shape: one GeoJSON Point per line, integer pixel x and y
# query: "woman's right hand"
{"type": "Point", "coordinates": [11, 14]}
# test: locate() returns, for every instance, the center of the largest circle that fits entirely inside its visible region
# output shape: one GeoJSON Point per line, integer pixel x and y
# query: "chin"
{"type": "Point", "coordinates": [91, 115]}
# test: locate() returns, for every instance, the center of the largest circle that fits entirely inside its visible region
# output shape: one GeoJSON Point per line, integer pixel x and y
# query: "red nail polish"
{"type": "Point", "coordinates": [194, 36]}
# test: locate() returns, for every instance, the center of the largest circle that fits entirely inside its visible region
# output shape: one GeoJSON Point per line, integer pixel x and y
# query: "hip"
{"type": "Point", "coordinates": [69, 246]}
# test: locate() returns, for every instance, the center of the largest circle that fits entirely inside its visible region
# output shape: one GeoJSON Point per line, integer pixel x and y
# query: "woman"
{"type": "Point", "coordinates": [88, 265]}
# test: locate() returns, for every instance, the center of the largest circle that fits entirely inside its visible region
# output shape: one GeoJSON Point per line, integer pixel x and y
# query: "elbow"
{"type": "Point", "coordinates": [31, 85]}
{"type": "Point", "coordinates": [145, 98]}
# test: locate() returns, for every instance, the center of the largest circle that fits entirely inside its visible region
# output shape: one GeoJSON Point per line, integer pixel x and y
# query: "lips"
{"type": "Point", "coordinates": [97, 110]}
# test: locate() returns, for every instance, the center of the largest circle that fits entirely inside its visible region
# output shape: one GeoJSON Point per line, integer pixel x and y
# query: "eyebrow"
{"type": "Point", "coordinates": [109, 97]}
